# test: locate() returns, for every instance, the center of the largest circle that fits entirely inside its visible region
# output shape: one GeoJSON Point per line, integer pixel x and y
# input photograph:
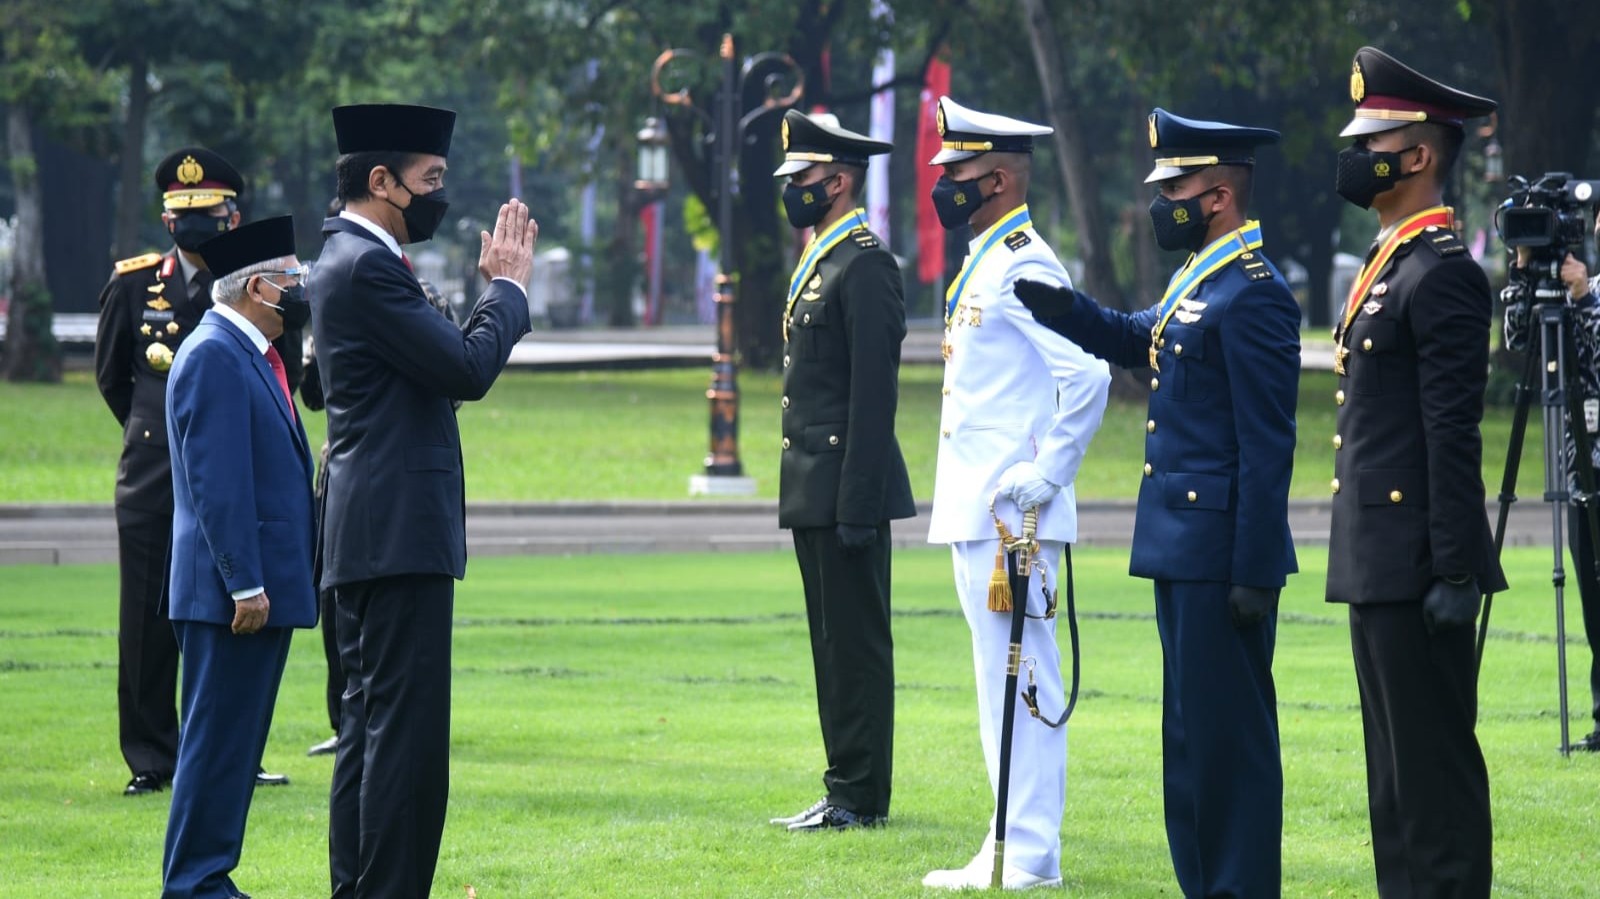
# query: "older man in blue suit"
{"type": "Point", "coordinates": [243, 533]}
{"type": "Point", "coordinates": [1212, 526]}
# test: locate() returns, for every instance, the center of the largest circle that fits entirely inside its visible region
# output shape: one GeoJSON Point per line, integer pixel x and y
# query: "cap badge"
{"type": "Point", "coordinates": [1180, 215]}
{"type": "Point", "coordinates": [785, 135]}
{"type": "Point", "coordinates": [938, 119]}
{"type": "Point", "coordinates": [1381, 169]}
{"type": "Point", "coordinates": [1153, 141]}
{"type": "Point", "coordinates": [1358, 84]}
{"type": "Point", "coordinates": [190, 172]}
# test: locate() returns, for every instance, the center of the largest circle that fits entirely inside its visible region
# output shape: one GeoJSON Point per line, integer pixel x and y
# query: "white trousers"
{"type": "Point", "coordinates": [1038, 753]}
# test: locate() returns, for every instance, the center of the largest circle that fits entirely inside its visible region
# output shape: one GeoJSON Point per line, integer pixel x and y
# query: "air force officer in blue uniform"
{"type": "Point", "coordinates": [243, 533]}
{"type": "Point", "coordinates": [1212, 523]}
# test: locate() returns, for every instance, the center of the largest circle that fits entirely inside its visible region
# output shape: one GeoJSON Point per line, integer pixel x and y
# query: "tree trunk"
{"type": "Point", "coordinates": [130, 163]}
{"type": "Point", "coordinates": [616, 279]}
{"type": "Point", "coordinates": [1549, 91]}
{"type": "Point", "coordinates": [31, 351]}
{"type": "Point", "coordinates": [1072, 152]}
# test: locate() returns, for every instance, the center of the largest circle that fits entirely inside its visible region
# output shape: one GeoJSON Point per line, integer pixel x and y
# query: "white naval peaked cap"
{"type": "Point", "coordinates": [965, 133]}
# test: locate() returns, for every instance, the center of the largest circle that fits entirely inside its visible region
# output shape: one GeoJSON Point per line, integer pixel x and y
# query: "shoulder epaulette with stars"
{"type": "Point", "coordinates": [137, 262]}
{"type": "Point", "coordinates": [1016, 240]}
{"type": "Point", "coordinates": [1445, 241]}
{"type": "Point", "coordinates": [1255, 268]}
{"type": "Point", "coordinates": [865, 240]}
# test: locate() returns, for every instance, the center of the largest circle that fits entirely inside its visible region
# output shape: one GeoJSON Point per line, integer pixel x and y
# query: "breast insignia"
{"type": "Point", "coordinates": [1016, 240]}
{"type": "Point", "coordinates": [158, 303]}
{"type": "Point", "coordinates": [137, 262]}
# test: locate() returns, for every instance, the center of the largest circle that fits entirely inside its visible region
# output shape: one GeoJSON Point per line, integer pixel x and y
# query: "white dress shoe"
{"type": "Point", "coordinates": [977, 874]}
{"type": "Point", "coordinates": [796, 819]}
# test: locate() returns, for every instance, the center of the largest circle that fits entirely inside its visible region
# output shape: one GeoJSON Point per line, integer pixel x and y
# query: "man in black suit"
{"type": "Point", "coordinates": [148, 308]}
{"type": "Point", "coordinates": [1410, 549]}
{"type": "Point", "coordinates": [394, 529]}
{"type": "Point", "coordinates": [842, 478]}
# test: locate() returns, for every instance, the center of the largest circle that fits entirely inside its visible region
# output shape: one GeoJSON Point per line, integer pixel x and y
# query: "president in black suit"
{"type": "Point", "coordinates": [842, 478]}
{"type": "Point", "coordinates": [394, 530]}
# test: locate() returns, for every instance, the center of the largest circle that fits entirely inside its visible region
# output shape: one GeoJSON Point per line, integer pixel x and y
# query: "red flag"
{"type": "Point", "coordinates": [930, 234]}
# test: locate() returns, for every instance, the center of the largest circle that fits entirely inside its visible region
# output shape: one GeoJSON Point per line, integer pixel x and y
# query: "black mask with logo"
{"type": "Point", "coordinates": [956, 201]}
{"type": "Point", "coordinates": [1179, 224]}
{"type": "Point", "coordinates": [191, 229]}
{"type": "Point", "coordinates": [806, 204]}
{"type": "Point", "coordinates": [423, 216]}
{"type": "Point", "coordinates": [1364, 174]}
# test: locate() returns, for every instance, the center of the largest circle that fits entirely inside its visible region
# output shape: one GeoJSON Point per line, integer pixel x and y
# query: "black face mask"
{"type": "Point", "coordinates": [956, 201]}
{"type": "Point", "coordinates": [292, 306]}
{"type": "Point", "coordinates": [805, 205]}
{"type": "Point", "coordinates": [195, 228]}
{"type": "Point", "coordinates": [424, 214]}
{"type": "Point", "coordinates": [1364, 174]}
{"type": "Point", "coordinates": [1179, 224]}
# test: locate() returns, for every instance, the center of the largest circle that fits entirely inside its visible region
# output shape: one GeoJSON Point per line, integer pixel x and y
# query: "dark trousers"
{"type": "Point", "coordinates": [1581, 544]}
{"type": "Point", "coordinates": [330, 653]}
{"type": "Point", "coordinates": [1427, 787]}
{"type": "Point", "coordinates": [1219, 740]}
{"type": "Point", "coordinates": [852, 651]}
{"type": "Point", "coordinates": [391, 776]}
{"type": "Point", "coordinates": [147, 651]}
{"type": "Point", "coordinates": [230, 684]}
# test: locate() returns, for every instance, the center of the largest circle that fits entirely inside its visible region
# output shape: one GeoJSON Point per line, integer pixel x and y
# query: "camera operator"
{"type": "Point", "coordinates": [1582, 291]}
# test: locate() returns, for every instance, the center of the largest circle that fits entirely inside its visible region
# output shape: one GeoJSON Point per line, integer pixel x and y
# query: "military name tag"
{"type": "Point", "coordinates": [158, 315]}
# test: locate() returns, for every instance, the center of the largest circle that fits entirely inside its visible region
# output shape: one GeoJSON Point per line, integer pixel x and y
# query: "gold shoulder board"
{"type": "Point", "coordinates": [137, 262]}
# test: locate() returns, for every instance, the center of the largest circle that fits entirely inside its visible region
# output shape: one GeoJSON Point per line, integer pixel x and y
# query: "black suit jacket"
{"type": "Point", "coordinates": [1408, 500]}
{"type": "Point", "coordinates": [841, 462]}
{"type": "Point", "coordinates": [390, 364]}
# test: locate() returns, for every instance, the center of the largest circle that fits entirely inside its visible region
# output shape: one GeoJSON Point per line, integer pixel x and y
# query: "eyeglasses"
{"type": "Point", "coordinates": [299, 273]}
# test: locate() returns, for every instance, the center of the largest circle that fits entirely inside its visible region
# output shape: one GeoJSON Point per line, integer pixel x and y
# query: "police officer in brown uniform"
{"type": "Point", "coordinates": [147, 309]}
{"type": "Point", "coordinates": [842, 478]}
{"type": "Point", "coordinates": [1410, 549]}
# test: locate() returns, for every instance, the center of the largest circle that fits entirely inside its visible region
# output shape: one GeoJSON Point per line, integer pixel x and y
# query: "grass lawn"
{"type": "Point", "coordinates": [625, 726]}
{"type": "Point", "coordinates": [638, 435]}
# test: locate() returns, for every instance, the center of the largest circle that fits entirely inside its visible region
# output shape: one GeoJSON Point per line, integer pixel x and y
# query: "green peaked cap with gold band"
{"type": "Point", "coordinates": [810, 139]}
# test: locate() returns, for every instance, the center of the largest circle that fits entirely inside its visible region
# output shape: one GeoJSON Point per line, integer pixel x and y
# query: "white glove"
{"type": "Point", "coordinates": [1026, 487]}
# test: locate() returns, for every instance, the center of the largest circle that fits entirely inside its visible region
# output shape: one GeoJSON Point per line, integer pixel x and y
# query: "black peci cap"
{"type": "Point", "coordinates": [808, 140]}
{"type": "Point", "coordinates": [196, 178]}
{"type": "Point", "coordinates": [1389, 94]}
{"type": "Point", "coordinates": [249, 244]}
{"type": "Point", "coordinates": [396, 127]}
{"type": "Point", "coordinates": [1187, 145]}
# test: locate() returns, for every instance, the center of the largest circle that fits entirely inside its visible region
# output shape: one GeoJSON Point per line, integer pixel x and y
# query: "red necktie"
{"type": "Point", "coordinates": [276, 361]}
{"type": "Point", "coordinates": [407, 260]}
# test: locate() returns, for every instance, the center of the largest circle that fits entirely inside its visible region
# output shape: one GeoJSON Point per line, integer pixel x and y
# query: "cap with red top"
{"type": "Point", "coordinates": [195, 178]}
{"type": "Point", "coordinates": [1389, 94]}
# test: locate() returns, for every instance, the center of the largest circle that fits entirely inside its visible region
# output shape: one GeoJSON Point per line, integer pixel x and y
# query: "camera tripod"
{"type": "Point", "coordinates": [1562, 405]}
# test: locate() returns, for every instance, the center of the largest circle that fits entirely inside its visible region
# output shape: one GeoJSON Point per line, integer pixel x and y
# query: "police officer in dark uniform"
{"type": "Point", "coordinates": [842, 478]}
{"type": "Point", "coordinates": [150, 305]}
{"type": "Point", "coordinates": [1410, 549]}
{"type": "Point", "coordinates": [1212, 522]}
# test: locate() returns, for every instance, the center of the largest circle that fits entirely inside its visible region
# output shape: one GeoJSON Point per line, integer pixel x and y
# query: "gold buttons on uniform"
{"type": "Point", "coordinates": [785, 360]}
{"type": "Point", "coordinates": [147, 435]}
{"type": "Point", "coordinates": [945, 433]}
{"type": "Point", "coordinates": [1177, 349]}
{"type": "Point", "coordinates": [1193, 496]}
{"type": "Point", "coordinates": [1338, 442]}
{"type": "Point", "coordinates": [1338, 398]}
{"type": "Point", "coordinates": [806, 319]}
{"type": "Point", "coordinates": [1367, 344]}
{"type": "Point", "coordinates": [785, 443]}
{"type": "Point", "coordinates": [785, 402]}
{"type": "Point", "coordinates": [833, 439]}
{"type": "Point", "coordinates": [1396, 496]}
{"type": "Point", "coordinates": [1155, 383]}
{"type": "Point", "coordinates": [1335, 485]}
{"type": "Point", "coordinates": [1148, 470]}
{"type": "Point", "coordinates": [945, 391]}
{"type": "Point", "coordinates": [1150, 426]}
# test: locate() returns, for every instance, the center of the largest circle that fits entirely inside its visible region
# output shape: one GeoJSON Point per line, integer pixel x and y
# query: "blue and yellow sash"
{"type": "Point", "coordinates": [1203, 265]}
{"type": "Point", "coordinates": [1014, 221]}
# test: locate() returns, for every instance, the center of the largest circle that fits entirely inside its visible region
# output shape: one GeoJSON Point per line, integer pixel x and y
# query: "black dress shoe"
{"type": "Point", "coordinates": [833, 817]}
{"type": "Point", "coordinates": [144, 783]}
{"type": "Point", "coordinates": [1590, 743]}
{"type": "Point", "coordinates": [815, 808]}
{"type": "Point", "coordinates": [263, 779]}
{"type": "Point", "coordinates": [326, 747]}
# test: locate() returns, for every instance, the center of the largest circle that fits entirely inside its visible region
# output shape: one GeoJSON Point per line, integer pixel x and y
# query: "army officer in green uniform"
{"type": "Point", "coordinates": [842, 476]}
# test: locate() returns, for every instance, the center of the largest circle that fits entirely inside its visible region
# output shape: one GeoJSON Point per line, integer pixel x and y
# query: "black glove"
{"type": "Point", "coordinates": [855, 539]}
{"type": "Point", "coordinates": [1250, 605]}
{"type": "Point", "coordinates": [1045, 301]}
{"type": "Point", "coordinates": [1447, 606]}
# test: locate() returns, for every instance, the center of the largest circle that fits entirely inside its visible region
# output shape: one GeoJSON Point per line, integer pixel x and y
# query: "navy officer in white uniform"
{"type": "Point", "coordinates": [1020, 407]}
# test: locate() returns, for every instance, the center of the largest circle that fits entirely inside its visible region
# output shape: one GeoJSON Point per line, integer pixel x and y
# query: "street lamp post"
{"type": "Point", "coordinates": [724, 474]}
{"type": "Point", "coordinates": [652, 183]}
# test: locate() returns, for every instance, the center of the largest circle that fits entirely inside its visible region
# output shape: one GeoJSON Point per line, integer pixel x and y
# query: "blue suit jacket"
{"type": "Point", "coordinates": [1219, 448]}
{"type": "Point", "coordinates": [390, 365]}
{"type": "Point", "coordinates": [241, 478]}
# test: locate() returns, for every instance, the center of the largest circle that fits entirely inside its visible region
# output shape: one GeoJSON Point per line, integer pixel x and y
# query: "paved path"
{"type": "Point", "coordinates": [75, 534]}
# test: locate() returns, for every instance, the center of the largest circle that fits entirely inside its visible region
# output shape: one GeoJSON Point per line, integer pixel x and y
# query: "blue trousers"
{"type": "Point", "coordinates": [230, 683]}
{"type": "Point", "coordinates": [1219, 740]}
